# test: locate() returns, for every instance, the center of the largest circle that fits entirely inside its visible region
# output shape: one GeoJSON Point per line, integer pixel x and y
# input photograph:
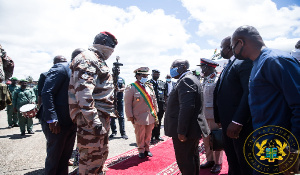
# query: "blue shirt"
{"type": "Point", "coordinates": [274, 91]}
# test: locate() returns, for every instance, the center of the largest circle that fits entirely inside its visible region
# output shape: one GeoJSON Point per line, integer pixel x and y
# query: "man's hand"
{"type": "Point", "coordinates": [54, 127]}
{"type": "Point", "coordinates": [182, 138]}
{"type": "Point", "coordinates": [98, 129]}
{"type": "Point", "coordinates": [219, 124]}
{"type": "Point", "coordinates": [233, 130]}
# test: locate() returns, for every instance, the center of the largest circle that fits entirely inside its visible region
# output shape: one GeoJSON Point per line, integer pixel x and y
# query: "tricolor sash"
{"type": "Point", "coordinates": [146, 97]}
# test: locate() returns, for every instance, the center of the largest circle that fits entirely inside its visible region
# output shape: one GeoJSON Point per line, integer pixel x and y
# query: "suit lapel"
{"type": "Point", "coordinates": [224, 73]}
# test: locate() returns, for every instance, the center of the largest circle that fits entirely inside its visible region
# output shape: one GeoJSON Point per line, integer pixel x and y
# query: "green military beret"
{"type": "Point", "coordinates": [14, 79]}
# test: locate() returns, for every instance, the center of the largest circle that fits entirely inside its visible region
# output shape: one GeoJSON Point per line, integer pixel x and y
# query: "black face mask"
{"type": "Point", "coordinates": [223, 54]}
{"type": "Point", "coordinates": [155, 77]}
{"type": "Point", "coordinates": [239, 55]}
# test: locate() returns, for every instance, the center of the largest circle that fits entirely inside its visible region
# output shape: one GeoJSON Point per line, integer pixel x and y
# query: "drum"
{"type": "Point", "coordinates": [29, 110]}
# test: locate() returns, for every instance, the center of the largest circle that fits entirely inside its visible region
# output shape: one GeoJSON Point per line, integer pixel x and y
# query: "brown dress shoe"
{"type": "Point", "coordinates": [216, 168]}
{"type": "Point", "coordinates": [208, 164]}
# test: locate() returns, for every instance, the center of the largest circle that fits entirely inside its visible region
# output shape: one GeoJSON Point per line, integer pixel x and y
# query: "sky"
{"type": "Point", "coordinates": [150, 33]}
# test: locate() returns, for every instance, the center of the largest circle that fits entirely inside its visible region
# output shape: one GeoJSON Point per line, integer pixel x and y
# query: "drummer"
{"type": "Point", "coordinates": [23, 96]}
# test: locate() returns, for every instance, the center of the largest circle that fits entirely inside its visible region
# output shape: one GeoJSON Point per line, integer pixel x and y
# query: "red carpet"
{"type": "Point", "coordinates": [163, 161]}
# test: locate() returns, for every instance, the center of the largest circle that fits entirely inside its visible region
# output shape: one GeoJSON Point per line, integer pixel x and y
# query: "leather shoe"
{"type": "Point", "coordinates": [208, 164]}
{"type": "Point", "coordinates": [30, 132]}
{"type": "Point", "coordinates": [15, 125]}
{"type": "Point", "coordinates": [152, 140]}
{"type": "Point", "coordinates": [148, 153]}
{"type": "Point", "coordinates": [159, 138]}
{"type": "Point", "coordinates": [124, 136]}
{"type": "Point", "coordinates": [112, 135]}
{"type": "Point", "coordinates": [216, 168]}
{"type": "Point", "coordinates": [142, 155]}
{"type": "Point", "coordinates": [22, 133]}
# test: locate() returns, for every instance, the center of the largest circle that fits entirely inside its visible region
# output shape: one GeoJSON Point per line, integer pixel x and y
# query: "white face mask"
{"type": "Point", "coordinates": [143, 80]}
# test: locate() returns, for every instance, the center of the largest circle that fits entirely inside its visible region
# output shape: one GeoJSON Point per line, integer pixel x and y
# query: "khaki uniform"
{"type": "Point", "coordinates": [138, 111]}
{"type": "Point", "coordinates": [91, 103]}
{"type": "Point", "coordinates": [209, 85]}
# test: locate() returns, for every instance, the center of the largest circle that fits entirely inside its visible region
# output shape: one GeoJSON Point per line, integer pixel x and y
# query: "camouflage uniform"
{"type": "Point", "coordinates": [91, 103]}
{"type": "Point", "coordinates": [6, 68]}
{"type": "Point", "coordinates": [22, 97]}
{"type": "Point", "coordinates": [12, 117]}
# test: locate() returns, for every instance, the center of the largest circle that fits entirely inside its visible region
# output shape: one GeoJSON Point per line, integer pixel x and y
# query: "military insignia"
{"type": "Point", "coordinates": [137, 98]}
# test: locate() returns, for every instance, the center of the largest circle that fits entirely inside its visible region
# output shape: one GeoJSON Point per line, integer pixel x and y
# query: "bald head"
{"type": "Point", "coordinates": [246, 43]}
{"type": "Point", "coordinates": [226, 51]}
{"type": "Point", "coordinates": [59, 59]}
{"type": "Point", "coordinates": [76, 52]}
{"type": "Point", "coordinates": [248, 33]}
{"type": "Point", "coordinates": [179, 66]}
{"type": "Point", "coordinates": [297, 46]}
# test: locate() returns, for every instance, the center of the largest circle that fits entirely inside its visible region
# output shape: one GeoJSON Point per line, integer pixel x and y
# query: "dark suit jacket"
{"type": "Point", "coordinates": [183, 115]}
{"type": "Point", "coordinates": [55, 94]}
{"type": "Point", "coordinates": [231, 94]}
{"type": "Point", "coordinates": [41, 83]}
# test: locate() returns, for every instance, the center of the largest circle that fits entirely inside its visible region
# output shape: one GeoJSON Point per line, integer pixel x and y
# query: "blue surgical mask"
{"type": "Point", "coordinates": [173, 72]}
{"type": "Point", "coordinates": [168, 79]}
{"type": "Point", "coordinates": [143, 80]}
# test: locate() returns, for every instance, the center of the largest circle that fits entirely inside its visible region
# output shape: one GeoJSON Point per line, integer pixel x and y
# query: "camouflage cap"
{"type": "Point", "coordinates": [142, 70]}
{"type": "Point", "coordinates": [13, 79]}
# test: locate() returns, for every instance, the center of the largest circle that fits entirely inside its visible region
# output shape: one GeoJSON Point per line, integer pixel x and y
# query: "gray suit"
{"type": "Point", "coordinates": [183, 116]}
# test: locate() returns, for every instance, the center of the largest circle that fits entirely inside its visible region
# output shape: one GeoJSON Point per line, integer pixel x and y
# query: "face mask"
{"type": "Point", "coordinates": [155, 77]}
{"type": "Point", "coordinates": [223, 54]}
{"type": "Point", "coordinates": [143, 80]}
{"type": "Point", "coordinates": [173, 72]}
{"type": "Point", "coordinates": [168, 80]}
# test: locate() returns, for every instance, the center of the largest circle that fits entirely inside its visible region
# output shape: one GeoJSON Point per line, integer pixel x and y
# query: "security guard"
{"type": "Point", "coordinates": [120, 108]}
{"type": "Point", "coordinates": [141, 110]}
{"type": "Point", "coordinates": [12, 117]}
{"type": "Point", "coordinates": [23, 96]}
{"type": "Point", "coordinates": [160, 90]}
{"type": "Point", "coordinates": [214, 158]}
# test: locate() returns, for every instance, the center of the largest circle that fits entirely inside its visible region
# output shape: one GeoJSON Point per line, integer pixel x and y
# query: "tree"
{"type": "Point", "coordinates": [30, 80]}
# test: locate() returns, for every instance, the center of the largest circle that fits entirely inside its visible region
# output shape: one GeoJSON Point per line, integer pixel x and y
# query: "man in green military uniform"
{"type": "Point", "coordinates": [23, 96]}
{"type": "Point", "coordinates": [12, 117]}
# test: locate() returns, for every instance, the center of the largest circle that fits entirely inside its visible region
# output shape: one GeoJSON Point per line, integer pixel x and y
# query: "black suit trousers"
{"type": "Point", "coordinates": [59, 149]}
{"type": "Point", "coordinates": [234, 152]}
{"type": "Point", "coordinates": [187, 156]}
{"type": "Point", "coordinates": [160, 114]}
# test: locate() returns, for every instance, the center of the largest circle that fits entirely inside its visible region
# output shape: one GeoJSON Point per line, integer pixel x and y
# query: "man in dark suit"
{"type": "Point", "coordinates": [159, 89]}
{"type": "Point", "coordinates": [231, 109]}
{"type": "Point", "coordinates": [57, 125]}
{"type": "Point", "coordinates": [169, 85]}
{"type": "Point", "coordinates": [183, 119]}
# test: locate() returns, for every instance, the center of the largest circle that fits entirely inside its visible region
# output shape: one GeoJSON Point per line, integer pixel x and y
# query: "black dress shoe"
{"type": "Point", "coordinates": [216, 168]}
{"type": "Point", "coordinates": [159, 138]}
{"type": "Point", "coordinates": [148, 153]}
{"type": "Point", "coordinates": [208, 164]}
{"type": "Point", "coordinates": [30, 132]}
{"type": "Point", "coordinates": [15, 125]}
{"type": "Point", "coordinates": [142, 155]}
{"type": "Point", "coordinates": [22, 133]}
{"type": "Point", "coordinates": [112, 135]}
{"type": "Point", "coordinates": [152, 140]}
{"type": "Point", "coordinates": [124, 136]}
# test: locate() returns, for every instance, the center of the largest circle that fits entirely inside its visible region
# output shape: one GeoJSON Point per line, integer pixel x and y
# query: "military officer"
{"type": "Point", "coordinates": [214, 158]}
{"type": "Point", "coordinates": [91, 105]}
{"type": "Point", "coordinates": [12, 116]}
{"type": "Point", "coordinates": [141, 110]}
{"type": "Point", "coordinates": [160, 90]}
{"type": "Point", "coordinates": [23, 96]}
